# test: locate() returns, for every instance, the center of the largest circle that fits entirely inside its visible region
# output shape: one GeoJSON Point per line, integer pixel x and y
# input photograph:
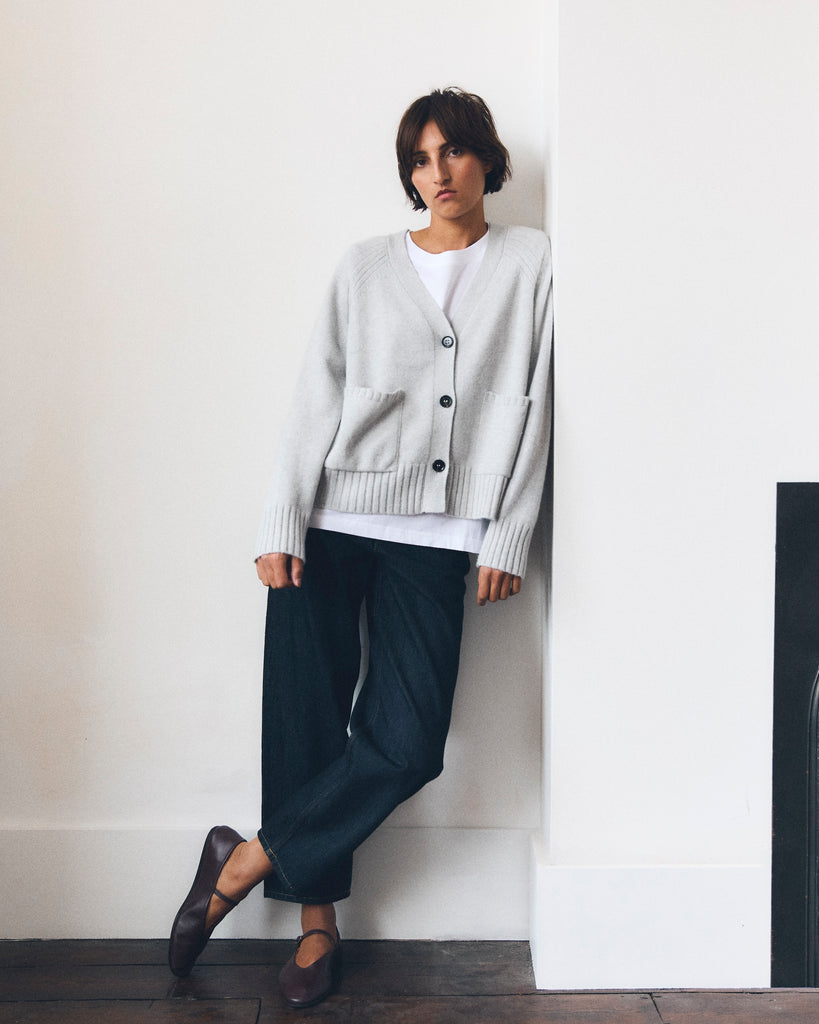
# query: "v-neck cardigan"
{"type": "Point", "coordinates": [400, 410]}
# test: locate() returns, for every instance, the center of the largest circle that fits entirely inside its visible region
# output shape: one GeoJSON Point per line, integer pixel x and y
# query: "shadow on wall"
{"type": "Point", "coordinates": [520, 201]}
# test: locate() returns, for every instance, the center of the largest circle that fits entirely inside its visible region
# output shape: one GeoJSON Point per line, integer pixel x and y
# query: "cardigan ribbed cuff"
{"type": "Point", "coordinates": [283, 528]}
{"type": "Point", "coordinates": [506, 546]}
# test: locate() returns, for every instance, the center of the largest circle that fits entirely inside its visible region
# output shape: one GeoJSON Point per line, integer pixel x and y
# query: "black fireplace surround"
{"type": "Point", "coordinates": [795, 881]}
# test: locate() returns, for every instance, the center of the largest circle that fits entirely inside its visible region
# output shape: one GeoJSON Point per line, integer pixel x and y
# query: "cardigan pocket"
{"type": "Point", "coordinates": [500, 429]}
{"type": "Point", "coordinates": [369, 433]}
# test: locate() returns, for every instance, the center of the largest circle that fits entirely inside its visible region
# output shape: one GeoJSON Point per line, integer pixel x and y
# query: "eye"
{"type": "Point", "coordinates": [455, 151]}
{"type": "Point", "coordinates": [419, 161]}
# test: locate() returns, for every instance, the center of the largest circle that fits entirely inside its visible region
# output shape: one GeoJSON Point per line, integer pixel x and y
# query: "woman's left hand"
{"type": "Point", "coordinates": [496, 585]}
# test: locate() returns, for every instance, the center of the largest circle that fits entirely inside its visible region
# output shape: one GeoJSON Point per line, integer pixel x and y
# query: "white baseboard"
{"type": "Point", "coordinates": [409, 883]}
{"type": "Point", "coordinates": [650, 926]}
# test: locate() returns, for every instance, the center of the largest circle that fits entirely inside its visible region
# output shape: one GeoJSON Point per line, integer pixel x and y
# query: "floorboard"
{"type": "Point", "coordinates": [76, 982]}
{"type": "Point", "coordinates": [534, 1008]}
{"type": "Point", "coordinates": [236, 982]}
{"type": "Point", "coordinates": [119, 1011]}
{"type": "Point", "coordinates": [771, 1006]}
{"type": "Point", "coordinates": [106, 952]}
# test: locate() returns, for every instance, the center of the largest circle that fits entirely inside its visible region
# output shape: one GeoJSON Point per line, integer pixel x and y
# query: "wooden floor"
{"type": "Point", "coordinates": [128, 982]}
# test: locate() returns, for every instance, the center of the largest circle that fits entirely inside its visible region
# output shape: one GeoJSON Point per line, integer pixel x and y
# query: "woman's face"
{"type": "Point", "coordinates": [449, 178]}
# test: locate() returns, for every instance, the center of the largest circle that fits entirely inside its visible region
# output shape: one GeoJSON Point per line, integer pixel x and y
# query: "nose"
{"type": "Point", "coordinates": [440, 171]}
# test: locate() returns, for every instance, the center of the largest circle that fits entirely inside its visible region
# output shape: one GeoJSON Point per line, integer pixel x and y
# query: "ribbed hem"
{"type": "Point", "coordinates": [409, 491]}
{"type": "Point", "coordinates": [473, 495]}
{"type": "Point", "coordinates": [506, 546]}
{"type": "Point", "coordinates": [283, 528]}
{"type": "Point", "coordinates": [398, 493]}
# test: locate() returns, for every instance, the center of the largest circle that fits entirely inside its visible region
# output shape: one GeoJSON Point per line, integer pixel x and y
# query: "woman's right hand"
{"type": "Point", "coordinates": [278, 570]}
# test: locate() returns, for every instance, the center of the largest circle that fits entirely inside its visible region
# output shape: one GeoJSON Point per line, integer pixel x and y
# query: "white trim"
{"type": "Point", "coordinates": [409, 883]}
{"type": "Point", "coordinates": [650, 926]}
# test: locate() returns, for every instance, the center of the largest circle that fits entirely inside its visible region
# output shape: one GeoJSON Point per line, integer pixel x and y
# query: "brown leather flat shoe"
{"type": "Point", "coordinates": [188, 935]}
{"type": "Point", "coordinates": [306, 986]}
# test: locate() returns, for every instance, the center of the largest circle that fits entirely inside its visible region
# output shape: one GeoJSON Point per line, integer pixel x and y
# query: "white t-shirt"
{"type": "Point", "coordinates": [446, 276]}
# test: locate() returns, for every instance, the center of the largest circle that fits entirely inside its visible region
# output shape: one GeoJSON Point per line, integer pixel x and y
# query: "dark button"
{"type": "Point", "coordinates": [445, 401]}
{"type": "Point", "coordinates": [439, 465]}
{"type": "Point", "coordinates": [447, 342]}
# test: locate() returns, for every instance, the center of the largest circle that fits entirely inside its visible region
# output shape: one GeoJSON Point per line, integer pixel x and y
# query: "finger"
{"type": "Point", "coordinates": [506, 586]}
{"type": "Point", "coordinates": [495, 585]}
{"type": "Point", "coordinates": [516, 584]}
{"type": "Point", "coordinates": [280, 571]}
{"type": "Point", "coordinates": [272, 569]}
{"type": "Point", "coordinates": [296, 571]}
{"type": "Point", "coordinates": [264, 570]}
{"type": "Point", "coordinates": [483, 584]}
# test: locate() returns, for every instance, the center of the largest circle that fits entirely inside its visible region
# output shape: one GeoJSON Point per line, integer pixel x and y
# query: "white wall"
{"type": "Point", "coordinates": [688, 256]}
{"type": "Point", "coordinates": [178, 180]}
{"type": "Point", "coordinates": [169, 222]}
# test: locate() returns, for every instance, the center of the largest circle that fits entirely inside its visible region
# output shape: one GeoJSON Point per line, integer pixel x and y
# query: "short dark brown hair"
{"type": "Point", "coordinates": [464, 120]}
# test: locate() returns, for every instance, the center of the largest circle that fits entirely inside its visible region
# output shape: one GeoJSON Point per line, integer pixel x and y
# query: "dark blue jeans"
{"type": "Point", "coordinates": [324, 792]}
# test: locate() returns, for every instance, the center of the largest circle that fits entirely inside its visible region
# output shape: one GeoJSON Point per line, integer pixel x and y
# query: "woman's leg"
{"type": "Point", "coordinates": [398, 728]}
{"type": "Point", "coordinates": [312, 660]}
{"type": "Point", "coordinates": [323, 917]}
{"type": "Point", "coordinates": [245, 868]}
{"type": "Point", "coordinates": [311, 666]}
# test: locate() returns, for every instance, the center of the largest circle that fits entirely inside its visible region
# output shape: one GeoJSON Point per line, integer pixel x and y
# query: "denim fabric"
{"type": "Point", "coordinates": [323, 792]}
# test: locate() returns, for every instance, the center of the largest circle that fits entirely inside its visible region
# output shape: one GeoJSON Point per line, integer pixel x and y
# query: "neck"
{"type": "Point", "coordinates": [446, 235]}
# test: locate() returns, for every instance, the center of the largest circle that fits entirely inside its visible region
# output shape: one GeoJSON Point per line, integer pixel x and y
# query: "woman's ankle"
{"type": "Point", "coordinates": [318, 915]}
{"type": "Point", "coordinates": [247, 866]}
{"type": "Point", "coordinates": [323, 918]}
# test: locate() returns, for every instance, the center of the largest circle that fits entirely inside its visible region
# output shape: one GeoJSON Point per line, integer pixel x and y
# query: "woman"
{"type": "Point", "coordinates": [420, 433]}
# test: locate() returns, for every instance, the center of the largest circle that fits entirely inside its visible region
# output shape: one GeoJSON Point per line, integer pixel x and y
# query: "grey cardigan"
{"type": "Point", "coordinates": [400, 411]}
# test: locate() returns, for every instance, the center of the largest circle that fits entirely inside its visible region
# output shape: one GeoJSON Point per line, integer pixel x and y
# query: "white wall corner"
{"type": "Point", "coordinates": [649, 926]}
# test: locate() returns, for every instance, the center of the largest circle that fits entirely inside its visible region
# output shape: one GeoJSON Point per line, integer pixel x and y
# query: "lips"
{"type": "Point", "coordinates": [444, 193]}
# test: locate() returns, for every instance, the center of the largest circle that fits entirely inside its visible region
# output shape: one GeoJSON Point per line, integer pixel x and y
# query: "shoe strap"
{"type": "Point", "coordinates": [227, 899]}
{"type": "Point", "coordinates": [318, 931]}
